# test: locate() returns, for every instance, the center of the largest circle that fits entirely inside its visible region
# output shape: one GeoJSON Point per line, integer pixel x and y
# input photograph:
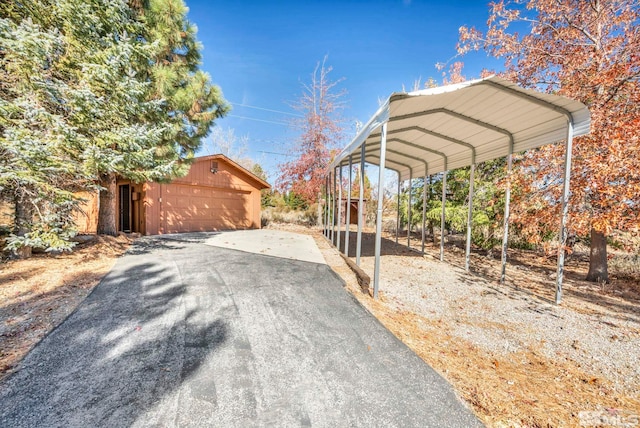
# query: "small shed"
{"type": "Point", "coordinates": [216, 194]}
{"type": "Point", "coordinates": [353, 211]}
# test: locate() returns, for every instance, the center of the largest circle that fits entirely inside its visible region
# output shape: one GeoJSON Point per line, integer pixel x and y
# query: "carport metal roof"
{"type": "Point", "coordinates": [458, 125]}
{"type": "Point", "coordinates": [435, 130]}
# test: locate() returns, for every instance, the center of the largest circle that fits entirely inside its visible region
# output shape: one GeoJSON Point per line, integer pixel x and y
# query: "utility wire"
{"type": "Point", "coordinates": [258, 120]}
{"type": "Point", "coordinates": [267, 109]}
{"type": "Point", "coordinates": [275, 153]}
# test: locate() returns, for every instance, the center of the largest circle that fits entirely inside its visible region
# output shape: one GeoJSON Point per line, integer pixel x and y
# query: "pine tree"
{"type": "Point", "coordinates": [184, 100]}
{"type": "Point", "coordinates": [191, 101]}
{"type": "Point", "coordinates": [83, 101]}
{"type": "Point", "coordinates": [119, 120]}
{"type": "Point", "coordinates": [37, 172]}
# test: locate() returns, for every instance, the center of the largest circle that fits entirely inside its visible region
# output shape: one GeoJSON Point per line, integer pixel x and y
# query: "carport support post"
{"type": "Point", "coordinates": [507, 200]}
{"type": "Point", "coordinates": [398, 211]}
{"type": "Point", "coordinates": [324, 205]}
{"type": "Point", "coordinates": [565, 210]}
{"type": "Point", "coordinates": [326, 214]}
{"type": "Point", "coordinates": [424, 208]}
{"type": "Point", "coordinates": [444, 199]}
{"type": "Point", "coordinates": [383, 154]}
{"type": "Point", "coordinates": [360, 205]}
{"type": "Point", "coordinates": [348, 208]}
{"type": "Point", "coordinates": [333, 211]}
{"type": "Point", "coordinates": [327, 207]}
{"type": "Point", "coordinates": [339, 206]}
{"type": "Point", "coordinates": [409, 210]}
{"type": "Point", "coordinates": [469, 218]}
{"type": "Point", "coordinates": [328, 204]}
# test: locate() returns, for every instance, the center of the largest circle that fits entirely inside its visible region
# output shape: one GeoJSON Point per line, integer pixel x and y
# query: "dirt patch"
{"type": "Point", "coordinates": [513, 355]}
{"type": "Point", "coordinates": [38, 293]}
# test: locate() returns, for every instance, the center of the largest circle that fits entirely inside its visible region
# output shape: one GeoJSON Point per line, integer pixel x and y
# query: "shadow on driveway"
{"type": "Point", "coordinates": [185, 334]}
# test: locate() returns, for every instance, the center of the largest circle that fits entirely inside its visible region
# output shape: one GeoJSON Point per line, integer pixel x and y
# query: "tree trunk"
{"type": "Point", "coordinates": [434, 235]}
{"type": "Point", "coordinates": [107, 209]}
{"type": "Point", "coordinates": [23, 218]}
{"type": "Point", "coordinates": [598, 271]}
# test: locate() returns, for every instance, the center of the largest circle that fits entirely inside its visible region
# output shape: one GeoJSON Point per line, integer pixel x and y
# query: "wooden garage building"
{"type": "Point", "coordinates": [216, 194]}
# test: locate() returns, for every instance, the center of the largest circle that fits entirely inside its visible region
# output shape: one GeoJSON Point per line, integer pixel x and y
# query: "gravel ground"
{"type": "Point", "coordinates": [595, 341]}
{"type": "Point", "coordinates": [502, 320]}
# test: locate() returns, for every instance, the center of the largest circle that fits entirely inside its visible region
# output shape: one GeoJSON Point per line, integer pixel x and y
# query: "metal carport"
{"type": "Point", "coordinates": [436, 130]}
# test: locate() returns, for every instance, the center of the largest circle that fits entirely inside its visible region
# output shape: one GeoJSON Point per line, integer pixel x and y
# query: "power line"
{"type": "Point", "coordinates": [258, 120]}
{"type": "Point", "coordinates": [275, 153]}
{"type": "Point", "coordinates": [267, 109]}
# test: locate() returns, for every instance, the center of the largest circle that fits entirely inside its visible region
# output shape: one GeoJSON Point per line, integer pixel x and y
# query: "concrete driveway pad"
{"type": "Point", "coordinates": [192, 330]}
{"type": "Point", "coordinates": [275, 243]}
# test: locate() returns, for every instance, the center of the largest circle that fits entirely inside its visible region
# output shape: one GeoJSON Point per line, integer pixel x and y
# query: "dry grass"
{"type": "Point", "coordinates": [285, 215]}
{"type": "Point", "coordinates": [525, 389]}
{"type": "Point", "coordinates": [38, 293]}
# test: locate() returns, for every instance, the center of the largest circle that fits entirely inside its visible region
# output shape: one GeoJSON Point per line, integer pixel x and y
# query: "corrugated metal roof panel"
{"type": "Point", "coordinates": [480, 113]}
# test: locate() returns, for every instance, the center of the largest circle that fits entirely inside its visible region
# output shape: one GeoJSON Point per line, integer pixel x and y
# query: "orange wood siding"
{"type": "Point", "coordinates": [87, 217]}
{"type": "Point", "coordinates": [152, 208]}
{"type": "Point", "coordinates": [203, 201]}
{"type": "Point", "coordinates": [200, 201]}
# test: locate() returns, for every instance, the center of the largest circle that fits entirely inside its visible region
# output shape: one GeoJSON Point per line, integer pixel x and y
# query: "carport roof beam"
{"type": "Point", "coordinates": [424, 149]}
{"type": "Point", "coordinates": [456, 115]}
{"type": "Point", "coordinates": [395, 152]}
{"type": "Point", "coordinates": [387, 161]}
{"type": "Point", "coordinates": [371, 155]}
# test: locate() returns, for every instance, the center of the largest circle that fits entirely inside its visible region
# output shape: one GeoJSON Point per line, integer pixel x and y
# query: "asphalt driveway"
{"type": "Point", "coordinates": [231, 329]}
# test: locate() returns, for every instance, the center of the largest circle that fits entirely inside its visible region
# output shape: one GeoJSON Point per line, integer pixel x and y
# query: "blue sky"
{"type": "Point", "coordinates": [261, 52]}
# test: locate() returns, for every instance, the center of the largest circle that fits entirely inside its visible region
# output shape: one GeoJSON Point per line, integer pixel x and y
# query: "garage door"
{"type": "Point", "coordinates": [196, 208]}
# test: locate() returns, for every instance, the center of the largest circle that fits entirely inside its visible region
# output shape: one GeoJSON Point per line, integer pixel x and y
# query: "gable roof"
{"type": "Point", "coordinates": [262, 183]}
